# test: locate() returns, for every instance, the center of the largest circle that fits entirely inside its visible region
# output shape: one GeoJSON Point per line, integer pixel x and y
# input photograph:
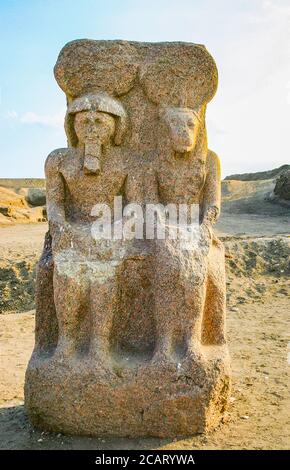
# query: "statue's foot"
{"type": "Point", "coordinates": [102, 360]}
{"type": "Point", "coordinates": [194, 358]}
{"type": "Point", "coordinates": [162, 357]}
{"type": "Point", "coordinates": [64, 352]}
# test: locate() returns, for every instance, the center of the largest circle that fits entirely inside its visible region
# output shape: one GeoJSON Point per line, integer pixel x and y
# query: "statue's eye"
{"type": "Point", "coordinates": [190, 123]}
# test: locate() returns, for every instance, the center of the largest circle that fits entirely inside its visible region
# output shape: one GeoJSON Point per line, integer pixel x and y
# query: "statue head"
{"type": "Point", "coordinates": [94, 126]}
{"type": "Point", "coordinates": [183, 125]}
{"type": "Point", "coordinates": [93, 122]}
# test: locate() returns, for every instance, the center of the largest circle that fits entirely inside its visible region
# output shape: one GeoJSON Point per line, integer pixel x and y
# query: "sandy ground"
{"type": "Point", "coordinates": [252, 225]}
{"type": "Point", "coordinates": [22, 239]}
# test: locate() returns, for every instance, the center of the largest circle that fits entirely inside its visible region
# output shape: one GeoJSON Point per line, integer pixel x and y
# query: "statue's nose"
{"type": "Point", "coordinates": [92, 126]}
{"type": "Point", "coordinates": [183, 135]}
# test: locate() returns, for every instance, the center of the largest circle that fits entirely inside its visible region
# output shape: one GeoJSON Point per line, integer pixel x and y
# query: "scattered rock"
{"type": "Point", "coordinates": [34, 196]}
{"type": "Point", "coordinates": [282, 187]}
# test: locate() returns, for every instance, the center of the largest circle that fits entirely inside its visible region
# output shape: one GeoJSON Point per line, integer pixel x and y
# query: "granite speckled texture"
{"type": "Point", "coordinates": [130, 334]}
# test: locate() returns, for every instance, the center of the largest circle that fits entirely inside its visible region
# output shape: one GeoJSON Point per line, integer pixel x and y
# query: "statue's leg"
{"type": "Point", "coordinates": [104, 297]}
{"type": "Point", "coordinates": [168, 300]}
{"type": "Point", "coordinates": [71, 293]}
{"type": "Point", "coordinates": [192, 320]}
{"type": "Point", "coordinates": [166, 307]}
{"type": "Point", "coordinates": [180, 285]}
{"type": "Point", "coordinates": [46, 328]}
{"type": "Point", "coordinates": [134, 326]}
{"type": "Point", "coordinates": [213, 326]}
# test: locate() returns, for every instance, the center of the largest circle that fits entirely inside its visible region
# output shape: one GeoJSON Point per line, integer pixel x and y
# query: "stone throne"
{"type": "Point", "coordinates": [130, 333]}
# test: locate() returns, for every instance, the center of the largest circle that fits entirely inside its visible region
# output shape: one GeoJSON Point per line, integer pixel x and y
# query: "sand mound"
{"type": "Point", "coordinates": [17, 205]}
{"type": "Point", "coordinates": [9, 198]}
{"type": "Point", "coordinates": [17, 183]}
{"type": "Point", "coordinates": [257, 269]}
{"type": "Point", "coordinates": [20, 248]}
{"type": "Point", "coordinates": [17, 285]}
{"type": "Point", "coordinates": [260, 175]}
{"type": "Point", "coordinates": [251, 197]}
{"type": "Point", "coordinates": [233, 190]}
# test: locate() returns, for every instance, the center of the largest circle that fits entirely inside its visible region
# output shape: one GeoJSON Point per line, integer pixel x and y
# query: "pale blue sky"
{"type": "Point", "coordinates": [248, 120]}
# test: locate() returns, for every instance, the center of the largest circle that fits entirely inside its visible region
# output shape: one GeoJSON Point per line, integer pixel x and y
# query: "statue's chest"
{"type": "Point", "coordinates": [181, 182]}
{"type": "Point", "coordinates": [91, 187]}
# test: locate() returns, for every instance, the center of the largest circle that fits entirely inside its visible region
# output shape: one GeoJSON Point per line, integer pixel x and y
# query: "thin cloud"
{"type": "Point", "coordinates": [12, 114]}
{"type": "Point", "coordinates": [50, 120]}
{"type": "Point", "coordinates": [53, 120]}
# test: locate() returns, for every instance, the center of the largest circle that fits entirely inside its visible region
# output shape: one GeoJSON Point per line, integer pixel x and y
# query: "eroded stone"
{"type": "Point", "coordinates": [130, 333]}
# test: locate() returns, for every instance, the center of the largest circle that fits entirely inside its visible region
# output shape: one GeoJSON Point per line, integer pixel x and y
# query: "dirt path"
{"type": "Point", "coordinates": [258, 417]}
{"type": "Point", "coordinates": [22, 241]}
{"type": "Point", "coordinates": [252, 225]}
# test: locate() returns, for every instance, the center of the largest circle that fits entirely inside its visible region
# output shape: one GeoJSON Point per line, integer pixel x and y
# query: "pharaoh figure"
{"type": "Point", "coordinates": [89, 172]}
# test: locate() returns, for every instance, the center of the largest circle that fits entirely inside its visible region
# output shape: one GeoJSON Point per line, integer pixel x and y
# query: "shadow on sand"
{"type": "Point", "coordinates": [17, 433]}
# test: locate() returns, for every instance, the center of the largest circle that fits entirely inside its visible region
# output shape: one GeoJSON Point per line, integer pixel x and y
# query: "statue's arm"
{"type": "Point", "coordinates": [55, 190]}
{"type": "Point", "coordinates": [212, 190]}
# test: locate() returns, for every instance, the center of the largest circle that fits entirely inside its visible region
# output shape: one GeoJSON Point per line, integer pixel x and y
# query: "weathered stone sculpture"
{"type": "Point", "coordinates": [130, 331]}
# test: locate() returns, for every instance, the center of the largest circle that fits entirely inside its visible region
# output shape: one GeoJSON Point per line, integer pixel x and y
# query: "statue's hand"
{"type": "Point", "coordinates": [211, 215]}
{"type": "Point", "coordinates": [206, 235]}
{"type": "Point", "coordinates": [207, 230]}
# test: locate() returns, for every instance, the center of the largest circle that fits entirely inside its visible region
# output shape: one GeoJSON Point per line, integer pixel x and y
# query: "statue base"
{"type": "Point", "coordinates": [128, 398]}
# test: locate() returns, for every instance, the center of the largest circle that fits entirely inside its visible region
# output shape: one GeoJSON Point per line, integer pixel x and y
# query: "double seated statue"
{"type": "Point", "coordinates": [130, 327]}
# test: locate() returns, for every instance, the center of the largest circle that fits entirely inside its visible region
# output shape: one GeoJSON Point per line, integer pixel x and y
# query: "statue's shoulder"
{"type": "Point", "coordinates": [213, 160]}
{"type": "Point", "coordinates": [212, 156]}
{"type": "Point", "coordinates": [56, 158]}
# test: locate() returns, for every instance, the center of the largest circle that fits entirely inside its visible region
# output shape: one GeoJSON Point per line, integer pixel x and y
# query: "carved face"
{"type": "Point", "coordinates": [94, 126]}
{"type": "Point", "coordinates": [183, 125]}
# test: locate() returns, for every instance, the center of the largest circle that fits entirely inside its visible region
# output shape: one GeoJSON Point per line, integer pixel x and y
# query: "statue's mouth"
{"type": "Point", "coordinates": [183, 148]}
{"type": "Point", "coordinates": [182, 152]}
